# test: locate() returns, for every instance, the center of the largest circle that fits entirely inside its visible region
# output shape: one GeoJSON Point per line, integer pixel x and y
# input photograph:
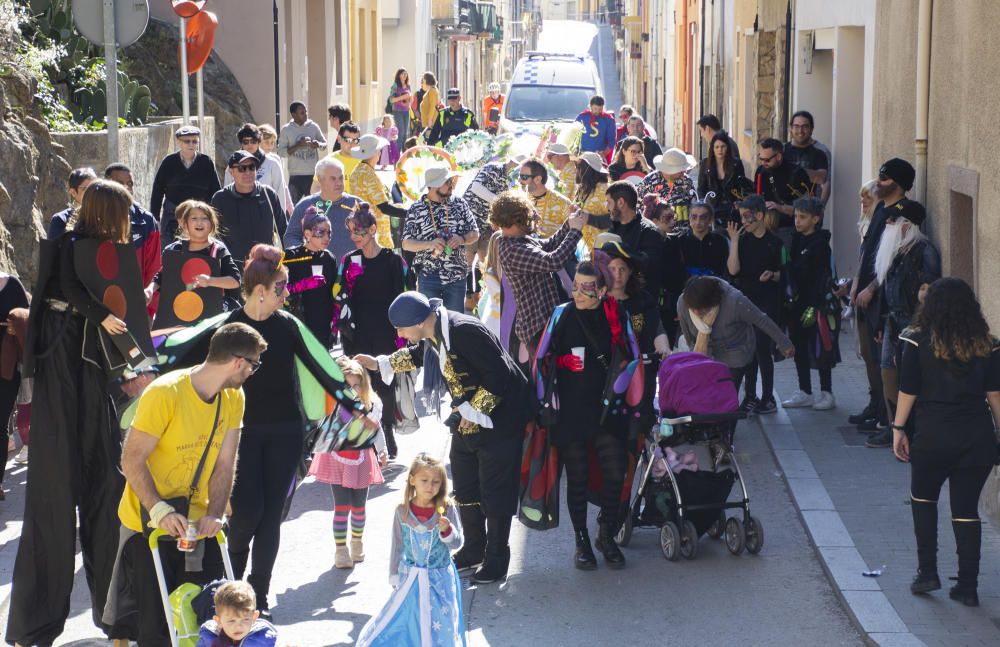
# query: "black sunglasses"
{"type": "Point", "coordinates": [254, 364]}
{"type": "Point", "coordinates": [525, 177]}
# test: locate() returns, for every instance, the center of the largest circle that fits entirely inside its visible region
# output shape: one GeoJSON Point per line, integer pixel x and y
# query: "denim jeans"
{"type": "Point", "coordinates": [453, 294]}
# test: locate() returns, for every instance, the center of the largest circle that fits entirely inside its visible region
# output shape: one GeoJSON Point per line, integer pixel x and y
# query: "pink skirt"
{"type": "Point", "coordinates": [343, 468]}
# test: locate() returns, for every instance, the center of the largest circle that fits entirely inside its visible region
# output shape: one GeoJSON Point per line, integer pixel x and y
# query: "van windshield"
{"type": "Point", "coordinates": [546, 102]}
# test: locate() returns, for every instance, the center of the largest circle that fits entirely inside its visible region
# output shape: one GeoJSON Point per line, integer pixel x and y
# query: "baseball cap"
{"type": "Point", "coordinates": [239, 157]}
{"type": "Point", "coordinates": [909, 209]}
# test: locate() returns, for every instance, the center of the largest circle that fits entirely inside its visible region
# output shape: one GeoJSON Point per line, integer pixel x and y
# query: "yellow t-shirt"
{"type": "Point", "coordinates": [366, 185]}
{"type": "Point", "coordinates": [172, 411]}
{"type": "Point", "coordinates": [567, 177]}
{"type": "Point", "coordinates": [595, 205]}
{"type": "Point", "coordinates": [553, 209]}
{"type": "Point", "coordinates": [349, 165]}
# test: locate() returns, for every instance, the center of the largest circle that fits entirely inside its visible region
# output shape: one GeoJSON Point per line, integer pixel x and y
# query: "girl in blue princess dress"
{"type": "Point", "coordinates": [425, 608]}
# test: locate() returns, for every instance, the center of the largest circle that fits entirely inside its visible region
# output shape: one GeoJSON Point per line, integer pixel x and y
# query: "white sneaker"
{"type": "Point", "coordinates": [22, 456]}
{"type": "Point", "coordinates": [798, 400]}
{"type": "Point", "coordinates": [824, 402]}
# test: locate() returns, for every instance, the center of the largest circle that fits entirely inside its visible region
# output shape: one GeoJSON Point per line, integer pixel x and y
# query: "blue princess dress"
{"type": "Point", "coordinates": [425, 609]}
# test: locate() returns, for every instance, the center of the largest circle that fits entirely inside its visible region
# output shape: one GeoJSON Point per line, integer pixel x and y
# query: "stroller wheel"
{"type": "Point", "coordinates": [718, 526]}
{"type": "Point", "coordinates": [755, 536]}
{"type": "Point", "coordinates": [734, 535]}
{"type": "Point", "coordinates": [670, 540]}
{"type": "Point", "coordinates": [689, 540]}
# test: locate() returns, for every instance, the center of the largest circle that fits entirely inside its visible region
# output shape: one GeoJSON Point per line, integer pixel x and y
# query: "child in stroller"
{"type": "Point", "coordinates": [685, 494]}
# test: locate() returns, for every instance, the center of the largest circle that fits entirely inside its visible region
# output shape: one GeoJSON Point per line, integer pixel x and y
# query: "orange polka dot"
{"type": "Point", "coordinates": [114, 300]}
{"type": "Point", "coordinates": [188, 306]}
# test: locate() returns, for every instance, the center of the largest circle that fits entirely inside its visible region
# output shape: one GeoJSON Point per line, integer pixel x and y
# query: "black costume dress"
{"type": "Point", "coordinates": [584, 421]}
{"type": "Point", "coordinates": [486, 386]}
{"type": "Point", "coordinates": [311, 277]}
{"type": "Point", "coordinates": [953, 440]}
{"type": "Point", "coordinates": [75, 458]}
{"type": "Point", "coordinates": [368, 293]}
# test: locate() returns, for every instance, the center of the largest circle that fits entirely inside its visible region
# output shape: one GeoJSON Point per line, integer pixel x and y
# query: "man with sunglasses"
{"type": "Point", "coordinates": [895, 178]}
{"type": "Point", "coordinates": [184, 175]}
{"type": "Point", "coordinates": [269, 170]}
{"type": "Point", "coordinates": [185, 418]}
{"type": "Point", "coordinates": [249, 212]}
{"type": "Point", "coordinates": [780, 183]}
{"type": "Point", "coordinates": [348, 137]}
{"type": "Point", "coordinates": [756, 258]}
{"type": "Point", "coordinates": [552, 207]}
{"type": "Point", "coordinates": [300, 141]}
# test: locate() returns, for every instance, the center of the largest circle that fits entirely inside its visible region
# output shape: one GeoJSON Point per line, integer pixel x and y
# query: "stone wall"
{"type": "Point", "coordinates": [140, 148]}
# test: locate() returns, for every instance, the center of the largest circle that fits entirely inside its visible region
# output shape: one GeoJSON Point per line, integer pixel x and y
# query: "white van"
{"type": "Point", "coordinates": [548, 87]}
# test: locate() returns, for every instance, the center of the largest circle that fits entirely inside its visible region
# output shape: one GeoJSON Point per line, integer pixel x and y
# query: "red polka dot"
{"type": "Point", "coordinates": [192, 268]}
{"type": "Point", "coordinates": [114, 300]}
{"type": "Point", "coordinates": [107, 260]}
{"type": "Point", "coordinates": [188, 306]}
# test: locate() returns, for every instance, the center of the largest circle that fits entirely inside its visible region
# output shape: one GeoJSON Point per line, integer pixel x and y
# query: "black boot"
{"type": "Point", "coordinates": [968, 540]}
{"type": "Point", "coordinates": [606, 544]}
{"type": "Point", "coordinates": [474, 530]}
{"type": "Point", "coordinates": [925, 528]}
{"type": "Point", "coordinates": [584, 559]}
{"type": "Point", "coordinates": [869, 412]}
{"type": "Point", "coordinates": [497, 557]}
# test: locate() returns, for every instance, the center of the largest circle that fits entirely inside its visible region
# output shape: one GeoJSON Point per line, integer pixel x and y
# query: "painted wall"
{"type": "Point", "coordinates": [962, 157]}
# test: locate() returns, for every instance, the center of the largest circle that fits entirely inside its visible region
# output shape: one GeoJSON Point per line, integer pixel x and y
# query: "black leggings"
{"type": "Point", "coordinates": [764, 360]}
{"type": "Point", "coordinates": [611, 457]}
{"type": "Point", "coordinates": [386, 393]}
{"type": "Point", "coordinates": [264, 473]}
{"type": "Point", "coordinates": [928, 473]}
{"type": "Point", "coordinates": [8, 398]}
{"type": "Point", "coordinates": [803, 338]}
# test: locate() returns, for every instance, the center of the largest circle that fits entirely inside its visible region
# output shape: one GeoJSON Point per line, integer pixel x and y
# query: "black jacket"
{"type": "Point", "coordinates": [249, 218]}
{"type": "Point", "coordinates": [643, 238]}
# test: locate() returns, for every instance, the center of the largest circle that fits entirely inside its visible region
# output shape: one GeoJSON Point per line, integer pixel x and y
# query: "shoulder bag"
{"type": "Point", "coordinates": [182, 504]}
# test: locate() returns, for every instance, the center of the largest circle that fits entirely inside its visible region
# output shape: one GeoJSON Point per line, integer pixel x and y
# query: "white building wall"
{"type": "Point", "coordinates": [833, 77]}
{"type": "Point", "coordinates": [406, 39]}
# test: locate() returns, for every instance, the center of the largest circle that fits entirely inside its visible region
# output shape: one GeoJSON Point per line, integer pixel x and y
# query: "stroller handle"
{"type": "Point", "coordinates": [159, 533]}
{"type": "Point", "coordinates": [706, 418]}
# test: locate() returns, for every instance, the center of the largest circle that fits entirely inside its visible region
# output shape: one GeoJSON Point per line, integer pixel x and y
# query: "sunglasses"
{"type": "Point", "coordinates": [525, 177]}
{"type": "Point", "coordinates": [244, 168]}
{"type": "Point", "coordinates": [883, 177]}
{"type": "Point", "coordinates": [190, 142]}
{"type": "Point", "coordinates": [322, 233]}
{"type": "Point", "coordinates": [766, 159]}
{"type": "Point", "coordinates": [254, 364]}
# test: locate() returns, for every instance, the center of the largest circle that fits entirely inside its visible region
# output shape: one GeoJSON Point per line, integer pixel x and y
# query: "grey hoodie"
{"type": "Point", "coordinates": [733, 341]}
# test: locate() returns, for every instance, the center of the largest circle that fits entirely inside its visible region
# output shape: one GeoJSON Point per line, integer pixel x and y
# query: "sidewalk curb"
{"type": "Point", "coordinates": [869, 608]}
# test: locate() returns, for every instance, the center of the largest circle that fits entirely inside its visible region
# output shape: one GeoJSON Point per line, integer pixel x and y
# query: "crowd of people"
{"type": "Point", "coordinates": [537, 286]}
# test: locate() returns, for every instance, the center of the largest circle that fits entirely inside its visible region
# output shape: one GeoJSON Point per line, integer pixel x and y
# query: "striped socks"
{"type": "Point", "coordinates": [340, 514]}
{"type": "Point", "coordinates": [357, 522]}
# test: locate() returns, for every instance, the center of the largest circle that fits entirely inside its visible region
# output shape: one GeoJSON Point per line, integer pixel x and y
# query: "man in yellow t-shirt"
{"type": "Point", "coordinates": [348, 137]}
{"type": "Point", "coordinates": [552, 207]}
{"type": "Point", "coordinates": [164, 446]}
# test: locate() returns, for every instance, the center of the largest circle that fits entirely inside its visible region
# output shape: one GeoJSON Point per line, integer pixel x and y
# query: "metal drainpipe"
{"type": "Point", "coordinates": [788, 70]}
{"type": "Point", "coordinates": [923, 95]}
{"type": "Point", "coordinates": [701, 75]}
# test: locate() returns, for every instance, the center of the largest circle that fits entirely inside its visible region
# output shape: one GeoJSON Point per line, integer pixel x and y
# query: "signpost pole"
{"type": "Point", "coordinates": [111, 82]}
{"type": "Point", "coordinates": [185, 93]}
{"type": "Point", "coordinates": [200, 90]}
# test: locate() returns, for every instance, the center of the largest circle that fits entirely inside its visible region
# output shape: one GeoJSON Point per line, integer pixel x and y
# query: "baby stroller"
{"type": "Point", "coordinates": [699, 407]}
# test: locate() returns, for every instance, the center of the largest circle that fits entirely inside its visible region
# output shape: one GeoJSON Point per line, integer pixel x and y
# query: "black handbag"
{"type": "Point", "coordinates": [182, 504]}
